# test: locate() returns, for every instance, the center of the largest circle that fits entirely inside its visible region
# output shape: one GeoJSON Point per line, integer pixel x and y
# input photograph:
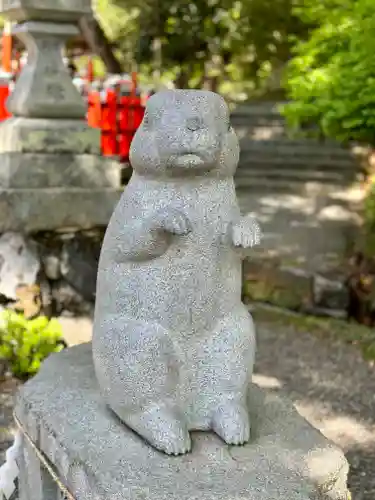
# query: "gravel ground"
{"type": "Point", "coordinates": [332, 387]}
{"type": "Point", "coordinates": [328, 381]}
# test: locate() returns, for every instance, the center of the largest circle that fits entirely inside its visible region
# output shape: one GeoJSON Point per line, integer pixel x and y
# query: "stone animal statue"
{"type": "Point", "coordinates": [173, 345]}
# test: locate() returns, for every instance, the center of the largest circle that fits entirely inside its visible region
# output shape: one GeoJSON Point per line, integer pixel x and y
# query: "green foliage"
{"type": "Point", "coordinates": [331, 79]}
{"type": "Point", "coordinates": [81, 63]}
{"type": "Point", "coordinates": [236, 40]}
{"type": "Point", "coordinates": [26, 343]}
{"type": "Point", "coordinates": [120, 27]}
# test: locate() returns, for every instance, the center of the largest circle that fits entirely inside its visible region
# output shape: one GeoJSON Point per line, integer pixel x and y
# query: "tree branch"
{"type": "Point", "coordinates": [99, 43]}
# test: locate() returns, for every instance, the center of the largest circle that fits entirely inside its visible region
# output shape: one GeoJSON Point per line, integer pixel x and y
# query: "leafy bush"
{"type": "Point", "coordinates": [331, 79]}
{"type": "Point", "coordinates": [24, 343]}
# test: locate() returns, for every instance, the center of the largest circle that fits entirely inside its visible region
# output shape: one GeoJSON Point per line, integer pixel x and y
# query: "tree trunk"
{"type": "Point", "coordinates": [157, 62]}
{"type": "Point", "coordinates": [182, 80]}
{"type": "Point", "coordinates": [99, 44]}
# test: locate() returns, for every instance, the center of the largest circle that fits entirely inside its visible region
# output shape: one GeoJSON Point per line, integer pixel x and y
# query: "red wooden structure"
{"type": "Point", "coordinates": [4, 94]}
{"type": "Point", "coordinates": [118, 117]}
{"type": "Point", "coordinates": [6, 66]}
{"type": "Point", "coordinates": [118, 114]}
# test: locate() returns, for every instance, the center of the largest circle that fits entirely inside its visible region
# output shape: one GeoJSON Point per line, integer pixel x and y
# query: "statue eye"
{"type": "Point", "coordinates": [194, 124]}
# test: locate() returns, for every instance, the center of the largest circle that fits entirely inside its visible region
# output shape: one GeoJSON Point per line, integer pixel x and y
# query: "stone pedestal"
{"type": "Point", "coordinates": [98, 458]}
{"type": "Point", "coordinates": [51, 172]}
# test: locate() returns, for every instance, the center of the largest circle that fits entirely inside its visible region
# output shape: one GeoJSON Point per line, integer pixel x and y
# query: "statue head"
{"type": "Point", "coordinates": [185, 133]}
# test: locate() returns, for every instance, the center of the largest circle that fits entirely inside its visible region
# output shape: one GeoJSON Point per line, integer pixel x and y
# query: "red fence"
{"type": "Point", "coordinates": [4, 94]}
{"type": "Point", "coordinates": [118, 116]}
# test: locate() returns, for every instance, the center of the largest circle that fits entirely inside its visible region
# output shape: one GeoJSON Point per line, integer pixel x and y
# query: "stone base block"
{"type": "Point", "coordinates": [99, 458]}
{"type": "Point", "coordinates": [38, 135]}
{"type": "Point", "coordinates": [37, 170]}
{"type": "Point", "coordinates": [30, 210]}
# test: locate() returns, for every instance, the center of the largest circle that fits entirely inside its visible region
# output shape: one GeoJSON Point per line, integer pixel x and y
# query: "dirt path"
{"type": "Point", "coordinates": [331, 386]}
{"type": "Point", "coordinates": [328, 381]}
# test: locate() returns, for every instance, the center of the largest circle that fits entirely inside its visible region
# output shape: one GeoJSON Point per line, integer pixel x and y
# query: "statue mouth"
{"type": "Point", "coordinates": [188, 160]}
{"type": "Point", "coordinates": [183, 163]}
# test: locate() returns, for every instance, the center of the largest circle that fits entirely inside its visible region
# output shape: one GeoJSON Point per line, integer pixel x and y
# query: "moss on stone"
{"type": "Point", "coordinates": [273, 292]}
{"type": "Point", "coordinates": [359, 335]}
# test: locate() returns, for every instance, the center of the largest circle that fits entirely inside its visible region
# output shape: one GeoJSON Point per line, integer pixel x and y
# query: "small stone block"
{"type": "Point", "coordinates": [44, 88]}
{"type": "Point", "coordinates": [48, 10]}
{"type": "Point", "coordinates": [283, 286]}
{"type": "Point", "coordinates": [37, 135]}
{"type": "Point", "coordinates": [99, 458]}
{"type": "Point", "coordinates": [48, 209]}
{"type": "Point", "coordinates": [37, 170]}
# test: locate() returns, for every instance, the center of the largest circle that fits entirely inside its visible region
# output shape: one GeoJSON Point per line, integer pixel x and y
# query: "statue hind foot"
{"type": "Point", "coordinates": [162, 428]}
{"type": "Point", "coordinates": [231, 423]}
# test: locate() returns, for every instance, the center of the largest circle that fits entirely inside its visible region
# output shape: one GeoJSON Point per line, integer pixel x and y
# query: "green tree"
{"type": "Point", "coordinates": [119, 25]}
{"type": "Point", "coordinates": [239, 40]}
{"type": "Point", "coordinates": [331, 78]}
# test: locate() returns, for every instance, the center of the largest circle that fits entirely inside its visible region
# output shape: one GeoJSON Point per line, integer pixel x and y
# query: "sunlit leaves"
{"type": "Point", "coordinates": [331, 78]}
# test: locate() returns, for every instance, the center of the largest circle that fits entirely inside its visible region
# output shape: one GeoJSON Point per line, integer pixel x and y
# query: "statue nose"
{"type": "Point", "coordinates": [193, 124]}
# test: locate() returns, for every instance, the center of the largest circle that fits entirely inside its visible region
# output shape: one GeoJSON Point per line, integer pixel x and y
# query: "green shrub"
{"type": "Point", "coordinates": [24, 343]}
{"type": "Point", "coordinates": [330, 80]}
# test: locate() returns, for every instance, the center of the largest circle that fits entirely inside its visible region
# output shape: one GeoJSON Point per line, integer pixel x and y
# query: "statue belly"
{"type": "Point", "coordinates": [184, 290]}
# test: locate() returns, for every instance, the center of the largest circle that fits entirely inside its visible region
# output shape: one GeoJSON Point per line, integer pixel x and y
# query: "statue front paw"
{"type": "Point", "coordinates": [173, 221]}
{"type": "Point", "coordinates": [246, 233]}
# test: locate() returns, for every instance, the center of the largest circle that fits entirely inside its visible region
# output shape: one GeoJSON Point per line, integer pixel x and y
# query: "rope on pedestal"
{"type": "Point", "coordinates": [64, 490]}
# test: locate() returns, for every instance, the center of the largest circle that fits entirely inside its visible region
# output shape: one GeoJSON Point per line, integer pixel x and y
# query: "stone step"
{"type": "Point", "coordinates": [259, 109]}
{"type": "Point", "coordinates": [260, 185]}
{"type": "Point", "coordinates": [248, 174]}
{"type": "Point", "coordinates": [293, 141]}
{"type": "Point", "coordinates": [260, 133]}
{"type": "Point", "coordinates": [251, 124]}
{"type": "Point", "coordinates": [290, 147]}
{"type": "Point", "coordinates": [275, 131]}
{"type": "Point", "coordinates": [258, 119]}
{"type": "Point", "coordinates": [248, 160]}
